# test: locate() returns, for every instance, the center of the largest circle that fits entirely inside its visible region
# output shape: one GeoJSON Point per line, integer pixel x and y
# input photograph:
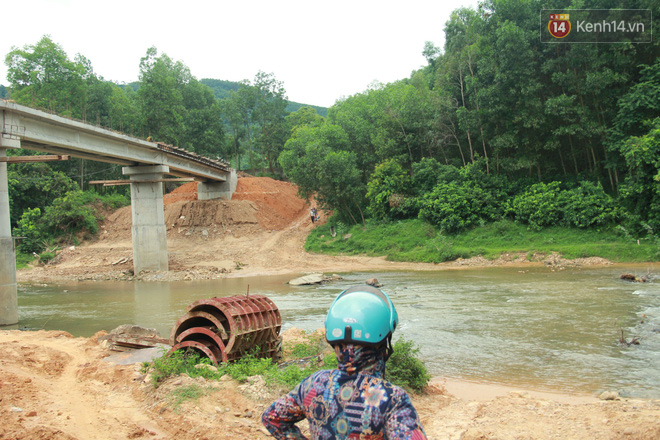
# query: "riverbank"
{"type": "Point", "coordinates": [59, 387]}
{"type": "Point", "coordinates": [261, 231]}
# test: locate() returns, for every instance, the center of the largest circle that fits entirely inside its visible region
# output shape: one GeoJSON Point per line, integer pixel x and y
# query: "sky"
{"type": "Point", "coordinates": [321, 51]}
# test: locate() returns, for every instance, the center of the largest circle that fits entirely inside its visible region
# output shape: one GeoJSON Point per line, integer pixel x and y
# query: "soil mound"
{"type": "Point", "coordinates": [185, 192]}
{"type": "Point", "coordinates": [277, 202]}
{"type": "Point", "coordinates": [259, 203]}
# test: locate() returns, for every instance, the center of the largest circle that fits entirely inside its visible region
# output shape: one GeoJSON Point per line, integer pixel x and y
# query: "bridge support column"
{"type": "Point", "coordinates": [217, 190]}
{"type": "Point", "coordinates": [149, 232]}
{"type": "Point", "coordinates": [8, 296]}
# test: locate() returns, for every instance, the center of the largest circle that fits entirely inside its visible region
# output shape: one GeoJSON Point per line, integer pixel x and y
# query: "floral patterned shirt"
{"type": "Point", "coordinates": [346, 403]}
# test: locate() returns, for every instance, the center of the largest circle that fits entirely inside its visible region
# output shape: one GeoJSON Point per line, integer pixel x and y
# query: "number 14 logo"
{"type": "Point", "coordinates": [559, 26]}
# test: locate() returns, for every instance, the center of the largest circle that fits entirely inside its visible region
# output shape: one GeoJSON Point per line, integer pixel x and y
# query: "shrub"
{"type": "Point", "coordinates": [545, 205]}
{"type": "Point", "coordinates": [455, 206]}
{"type": "Point", "coordinates": [34, 185]}
{"type": "Point", "coordinates": [539, 206]}
{"type": "Point", "coordinates": [428, 172]}
{"type": "Point", "coordinates": [71, 213]}
{"type": "Point", "coordinates": [388, 184]}
{"type": "Point", "coordinates": [588, 205]}
{"type": "Point", "coordinates": [175, 363]}
{"type": "Point", "coordinates": [115, 200]}
{"type": "Point", "coordinates": [405, 369]}
{"type": "Point", "coordinates": [23, 260]}
{"type": "Point", "coordinates": [46, 256]}
{"type": "Point", "coordinates": [28, 229]}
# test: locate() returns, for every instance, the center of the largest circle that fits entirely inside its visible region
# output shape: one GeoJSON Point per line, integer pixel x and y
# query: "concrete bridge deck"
{"type": "Point", "coordinates": [145, 164]}
{"type": "Point", "coordinates": [40, 131]}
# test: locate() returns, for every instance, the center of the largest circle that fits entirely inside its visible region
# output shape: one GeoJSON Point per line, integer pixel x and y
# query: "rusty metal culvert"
{"type": "Point", "coordinates": [224, 329]}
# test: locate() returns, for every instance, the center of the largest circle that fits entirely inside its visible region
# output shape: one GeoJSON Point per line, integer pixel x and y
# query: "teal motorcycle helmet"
{"type": "Point", "coordinates": [361, 315]}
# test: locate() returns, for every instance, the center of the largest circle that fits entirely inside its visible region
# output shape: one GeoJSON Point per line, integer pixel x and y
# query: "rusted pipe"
{"type": "Point", "coordinates": [224, 329]}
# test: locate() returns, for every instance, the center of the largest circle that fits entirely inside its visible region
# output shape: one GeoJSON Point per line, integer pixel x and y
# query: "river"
{"type": "Point", "coordinates": [540, 328]}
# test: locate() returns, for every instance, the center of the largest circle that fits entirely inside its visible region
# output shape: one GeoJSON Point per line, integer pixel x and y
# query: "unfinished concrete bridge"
{"type": "Point", "coordinates": [144, 163]}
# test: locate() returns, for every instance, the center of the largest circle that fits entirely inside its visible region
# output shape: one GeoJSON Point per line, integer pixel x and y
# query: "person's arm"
{"type": "Point", "coordinates": [402, 421]}
{"type": "Point", "coordinates": [281, 417]}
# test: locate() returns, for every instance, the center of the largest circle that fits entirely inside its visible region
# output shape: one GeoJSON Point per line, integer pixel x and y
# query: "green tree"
{"type": "Point", "coordinates": [203, 125]}
{"type": "Point", "coordinates": [640, 191]}
{"type": "Point", "coordinates": [270, 112]}
{"type": "Point", "coordinates": [316, 159]}
{"type": "Point", "coordinates": [428, 172]}
{"type": "Point", "coordinates": [634, 137]}
{"type": "Point", "coordinates": [304, 116]}
{"type": "Point", "coordinates": [388, 187]}
{"type": "Point", "coordinates": [256, 115]}
{"type": "Point", "coordinates": [43, 76]}
{"type": "Point", "coordinates": [124, 111]}
{"type": "Point", "coordinates": [231, 110]}
{"type": "Point", "coordinates": [34, 185]}
{"type": "Point", "coordinates": [31, 237]}
{"type": "Point", "coordinates": [161, 96]}
{"type": "Point", "coordinates": [239, 110]}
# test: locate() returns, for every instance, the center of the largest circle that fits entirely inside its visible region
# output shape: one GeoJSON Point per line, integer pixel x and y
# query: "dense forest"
{"type": "Point", "coordinates": [497, 125]}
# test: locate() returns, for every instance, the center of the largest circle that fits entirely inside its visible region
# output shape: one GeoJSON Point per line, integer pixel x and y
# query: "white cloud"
{"type": "Point", "coordinates": [320, 50]}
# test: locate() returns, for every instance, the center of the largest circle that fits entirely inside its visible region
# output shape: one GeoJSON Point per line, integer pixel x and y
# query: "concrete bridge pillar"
{"type": "Point", "coordinates": [149, 232]}
{"type": "Point", "coordinates": [218, 190]}
{"type": "Point", "coordinates": [8, 297]}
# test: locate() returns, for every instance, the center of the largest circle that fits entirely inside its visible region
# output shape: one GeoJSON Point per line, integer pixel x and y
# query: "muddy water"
{"type": "Point", "coordinates": [537, 328]}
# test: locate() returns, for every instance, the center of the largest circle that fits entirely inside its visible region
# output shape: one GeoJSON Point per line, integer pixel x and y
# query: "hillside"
{"type": "Point", "coordinates": [221, 89]}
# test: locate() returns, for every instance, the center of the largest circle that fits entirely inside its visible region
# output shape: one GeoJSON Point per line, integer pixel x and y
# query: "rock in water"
{"type": "Point", "coordinates": [374, 282]}
{"type": "Point", "coordinates": [314, 278]}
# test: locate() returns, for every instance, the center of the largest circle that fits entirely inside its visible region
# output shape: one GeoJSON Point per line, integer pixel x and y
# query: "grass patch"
{"type": "Point", "coordinates": [189, 363]}
{"type": "Point", "coordinates": [406, 240]}
{"type": "Point", "coordinates": [507, 236]}
{"type": "Point", "coordinates": [178, 396]}
{"type": "Point", "coordinates": [403, 369]}
{"type": "Point", "coordinates": [23, 260]}
{"type": "Point", "coordinates": [417, 241]}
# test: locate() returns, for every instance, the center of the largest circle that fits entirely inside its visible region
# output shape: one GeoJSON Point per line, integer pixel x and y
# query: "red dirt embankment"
{"type": "Point", "coordinates": [277, 202]}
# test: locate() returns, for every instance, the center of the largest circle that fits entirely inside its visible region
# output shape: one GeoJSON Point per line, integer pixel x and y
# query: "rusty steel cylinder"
{"type": "Point", "coordinates": [224, 329]}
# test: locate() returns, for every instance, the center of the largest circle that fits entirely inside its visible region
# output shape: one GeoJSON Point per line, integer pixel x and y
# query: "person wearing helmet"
{"type": "Point", "coordinates": [353, 401]}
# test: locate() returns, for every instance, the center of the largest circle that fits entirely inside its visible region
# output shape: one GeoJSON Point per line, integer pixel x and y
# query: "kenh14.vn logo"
{"type": "Point", "coordinates": [596, 26]}
{"type": "Point", "coordinates": [559, 25]}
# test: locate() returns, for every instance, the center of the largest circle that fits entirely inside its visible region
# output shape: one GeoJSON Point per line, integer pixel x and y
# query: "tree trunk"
{"type": "Point", "coordinates": [460, 73]}
{"type": "Point", "coordinates": [476, 102]}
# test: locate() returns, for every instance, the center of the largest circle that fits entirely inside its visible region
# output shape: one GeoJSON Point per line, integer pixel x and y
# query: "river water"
{"type": "Point", "coordinates": [543, 329]}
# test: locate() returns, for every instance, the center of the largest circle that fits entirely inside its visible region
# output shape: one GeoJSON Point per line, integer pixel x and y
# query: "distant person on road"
{"type": "Point", "coordinates": [353, 401]}
{"type": "Point", "coordinates": [313, 214]}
